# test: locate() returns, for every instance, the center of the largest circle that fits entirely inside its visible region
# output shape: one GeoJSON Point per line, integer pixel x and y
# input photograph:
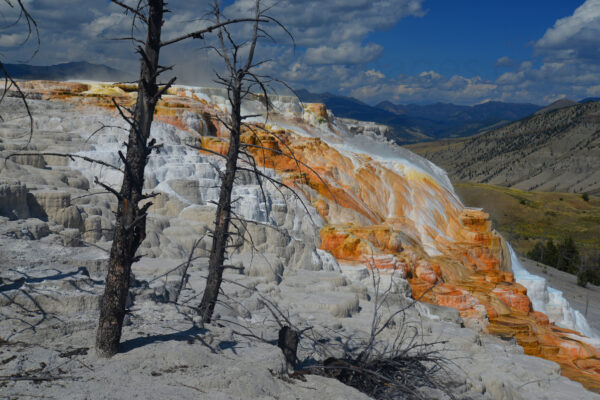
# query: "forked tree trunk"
{"type": "Point", "coordinates": [221, 232]}
{"type": "Point", "coordinates": [130, 226]}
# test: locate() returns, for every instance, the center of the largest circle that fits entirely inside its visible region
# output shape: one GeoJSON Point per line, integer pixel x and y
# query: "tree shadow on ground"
{"type": "Point", "coordinates": [17, 284]}
{"type": "Point", "coordinates": [190, 335]}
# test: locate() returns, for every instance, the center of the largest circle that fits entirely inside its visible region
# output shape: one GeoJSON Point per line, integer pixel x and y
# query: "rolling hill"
{"type": "Point", "coordinates": [555, 151]}
{"type": "Point", "coordinates": [524, 218]}
{"type": "Point", "coordinates": [558, 104]}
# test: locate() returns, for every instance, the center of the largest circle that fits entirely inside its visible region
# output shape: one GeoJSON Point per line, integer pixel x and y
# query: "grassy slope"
{"type": "Point", "coordinates": [526, 217]}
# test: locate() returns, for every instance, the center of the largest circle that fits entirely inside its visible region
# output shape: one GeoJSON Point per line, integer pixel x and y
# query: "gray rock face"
{"type": "Point", "coordinates": [30, 229]}
{"type": "Point", "coordinates": [52, 202]}
{"type": "Point", "coordinates": [69, 217]}
{"type": "Point", "coordinates": [188, 189]}
{"type": "Point", "coordinates": [71, 237]}
{"type": "Point", "coordinates": [13, 200]}
{"type": "Point", "coordinates": [92, 229]}
{"type": "Point", "coordinates": [38, 229]}
{"type": "Point", "coordinates": [78, 182]}
{"type": "Point", "coordinates": [36, 161]}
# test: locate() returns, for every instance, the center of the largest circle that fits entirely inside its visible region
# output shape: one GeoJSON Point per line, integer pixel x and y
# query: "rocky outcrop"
{"type": "Point", "coordinates": [52, 202]}
{"type": "Point", "coordinates": [375, 206]}
{"type": "Point", "coordinates": [13, 200]}
{"type": "Point", "coordinates": [31, 229]}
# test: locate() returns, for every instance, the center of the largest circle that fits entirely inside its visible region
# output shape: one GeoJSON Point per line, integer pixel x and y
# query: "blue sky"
{"type": "Point", "coordinates": [405, 51]}
{"type": "Point", "coordinates": [467, 37]}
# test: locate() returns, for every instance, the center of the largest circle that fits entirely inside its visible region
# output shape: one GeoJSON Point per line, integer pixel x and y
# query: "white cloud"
{"type": "Point", "coordinates": [376, 75]}
{"type": "Point", "coordinates": [574, 37]}
{"type": "Point", "coordinates": [333, 51]}
{"type": "Point", "coordinates": [429, 86]}
{"type": "Point", "coordinates": [565, 63]}
{"type": "Point", "coordinates": [430, 75]}
{"type": "Point", "coordinates": [345, 53]}
{"type": "Point", "coordinates": [593, 90]}
{"type": "Point", "coordinates": [505, 62]}
{"type": "Point", "coordinates": [12, 39]}
{"type": "Point", "coordinates": [315, 23]}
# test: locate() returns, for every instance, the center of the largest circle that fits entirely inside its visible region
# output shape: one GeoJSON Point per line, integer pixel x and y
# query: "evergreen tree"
{"type": "Point", "coordinates": [585, 197]}
{"type": "Point", "coordinates": [537, 253]}
{"type": "Point", "coordinates": [568, 256]}
{"type": "Point", "coordinates": [550, 256]}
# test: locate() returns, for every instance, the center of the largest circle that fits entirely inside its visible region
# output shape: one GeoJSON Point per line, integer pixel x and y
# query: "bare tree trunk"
{"type": "Point", "coordinates": [130, 226]}
{"type": "Point", "coordinates": [221, 232]}
{"type": "Point", "coordinates": [239, 81]}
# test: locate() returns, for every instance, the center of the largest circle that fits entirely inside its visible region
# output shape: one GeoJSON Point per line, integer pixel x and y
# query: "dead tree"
{"type": "Point", "coordinates": [395, 360]}
{"type": "Point", "coordinates": [10, 84]}
{"type": "Point", "coordinates": [130, 224]}
{"type": "Point", "coordinates": [239, 81]}
{"type": "Point", "coordinates": [242, 81]}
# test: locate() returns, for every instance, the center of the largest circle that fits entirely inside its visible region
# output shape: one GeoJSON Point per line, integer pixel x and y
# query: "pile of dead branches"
{"type": "Point", "coordinates": [391, 374]}
{"type": "Point", "coordinates": [396, 360]}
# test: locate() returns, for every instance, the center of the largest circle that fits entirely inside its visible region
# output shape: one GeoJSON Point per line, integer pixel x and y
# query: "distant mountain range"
{"type": "Point", "coordinates": [488, 111]}
{"type": "Point", "coordinates": [413, 122]}
{"type": "Point", "coordinates": [72, 70]}
{"type": "Point", "coordinates": [557, 150]}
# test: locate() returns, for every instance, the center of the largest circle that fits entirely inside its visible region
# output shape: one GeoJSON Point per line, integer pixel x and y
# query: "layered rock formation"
{"type": "Point", "coordinates": [374, 204]}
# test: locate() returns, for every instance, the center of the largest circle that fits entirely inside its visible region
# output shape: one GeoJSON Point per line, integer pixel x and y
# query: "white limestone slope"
{"type": "Point", "coordinates": [551, 302]}
{"type": "Point", "coordinates": [178, 162]}
{"type": "Point", "coordinates": [165, 355]}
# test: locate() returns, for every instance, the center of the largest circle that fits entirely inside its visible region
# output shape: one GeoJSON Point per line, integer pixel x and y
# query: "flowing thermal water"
{"type": "Point", "coordinates": [550, 301]}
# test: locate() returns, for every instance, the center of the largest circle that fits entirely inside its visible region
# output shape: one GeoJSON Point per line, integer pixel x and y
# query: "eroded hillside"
{"type": "Point", "coordinates": [554, 151]}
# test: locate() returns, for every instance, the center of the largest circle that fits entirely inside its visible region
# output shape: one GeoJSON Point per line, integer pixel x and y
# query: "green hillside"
{"type": "Point", "coordinates": [527, 217]}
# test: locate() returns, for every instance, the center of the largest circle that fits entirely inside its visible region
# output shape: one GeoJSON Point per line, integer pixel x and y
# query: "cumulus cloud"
{"type": "Point", "coordinates": [429, 86]}
{"type": "Point", "coordinates": [315, 23]}
{"type": "Point", "coordinates": [83, 30]}
{"type": "Point", "coordinates": [505, 62]}
{"type": "Point", "coordinates": [565, 63]}
{"type": "Point", "coordinates": [568, 60]}
{"type": "Point", "coordinates": [12, 39]}
{"type": "Point", "coordinates": [330, 37]}
{"type": "Point", "coordinates": [346, 53]}
{"type": "Point", "coordinates": [333, 49]}
{"type": "Point", "coordinates": [574, 37]}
